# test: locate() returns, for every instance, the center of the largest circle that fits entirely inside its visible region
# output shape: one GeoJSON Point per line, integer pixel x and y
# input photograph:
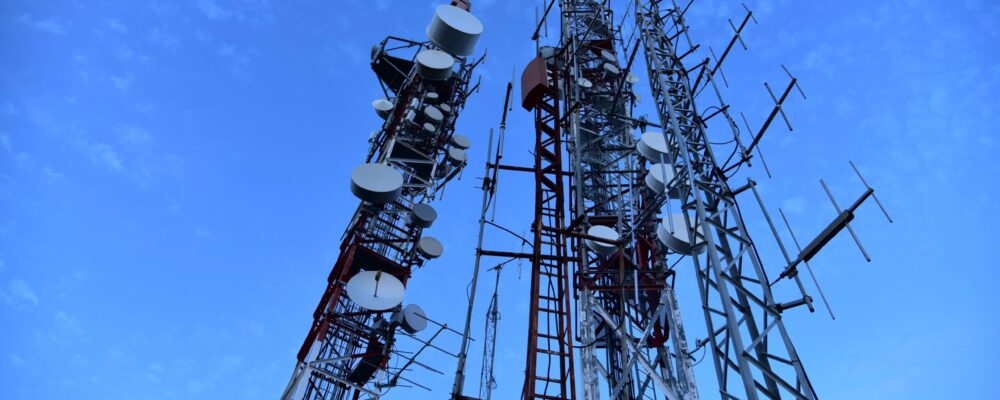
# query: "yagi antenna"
{"type": "Point", "coordinates": [843, 220]}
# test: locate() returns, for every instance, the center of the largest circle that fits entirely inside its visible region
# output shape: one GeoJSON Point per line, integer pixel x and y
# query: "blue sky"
{"type": "Point", "coordinates": [173, 186]}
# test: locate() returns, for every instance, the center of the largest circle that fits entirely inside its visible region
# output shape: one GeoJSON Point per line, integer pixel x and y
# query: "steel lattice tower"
{"type": "Point", "coordinates": [347, 351]}
{"type": "Point", "coordinates": [621, 201]}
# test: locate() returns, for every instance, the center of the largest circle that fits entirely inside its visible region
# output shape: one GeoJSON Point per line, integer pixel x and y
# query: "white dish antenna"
{"type": "Point", "coordinates": [656, 181]}
{"type": "Point", "coordinates": [461, 141]}
{"type": "Point", "coordinates": [603, 232]}
{"type": "Point", "coordinates": [677, 238]}
{"type": "Point", "coordinates": [652, 145]}
{"type": "Point", "coordinates": [376, 183]}
{"type": "Point", "coordinates": [411, 318]}
{"type": "Point", "coordinates": [383, 107]}
{"type": "Point", "coordinates": [434, 64]}
{"type": "Point", "coordinates": [422, 215]}
{"type": "Point", "coordinates": [454, 30]}
{"type": "Point", "coordinates": [429, 247]}
{"type": "Point", "coordinates": [375, 290]}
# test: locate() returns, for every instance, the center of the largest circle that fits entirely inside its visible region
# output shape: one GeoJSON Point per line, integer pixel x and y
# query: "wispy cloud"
{"type": "Point", "coordinates": [5, 142]}
{"type": "Point", "coordinates": [236, 61]}
{"type": "Point", "coordinates": [116, 25]}
{"type": "Point", "coordinates": [105, 155]}
{"type": "Point", "coordinates": [45, 25]}
{"type": "Point", "coordinates": [161, 36]}
{"type": "Point", "coordinates": [133, 136]}
{"type": "Point", "coordinates": [18, 293]}
{"type": "Point", "coordinates": [213, 11]}
{"type": "Point", "coordinates": [122, 83]}
{"type": "Point", "coordinates": [8, 110]}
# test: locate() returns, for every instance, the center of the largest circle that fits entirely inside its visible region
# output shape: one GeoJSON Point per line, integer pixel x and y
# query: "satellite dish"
{"type": "Point", "coordinates": [429, 247]}
{"type": "Point", "coordinates": [375, 290]}
{"type": "Point", "coordinates": [376, 183]}
{"type": "Point", "coordinates": [603, 232]}
{"type": "Point", "coordinates": [454, 30]}
{"type": "Point", "coordinates": [411, 318]}
{"type": "Point", "coordinates": [609, 56]}
{"type": "Point", "coordinates": [461, 141]}
{"type": "Point", "coordinates": [457, 156]}
{"type": "Point", "coordinates": [611, 70]}
{"type": "Point", "coordinates": [652, 145]}
{"type": "Point", "coordinates": [678, 238]}
{"type": "Point", "coordinates": [434, 64]}
{"type": "Point", "coordinates": [656, 182]}
{"type": "Point", "coordinates": [422, 215]}
{"type": "Point", "coordinates": [433, 114]}
{"type": "Point", "coordinates": [383, 107]}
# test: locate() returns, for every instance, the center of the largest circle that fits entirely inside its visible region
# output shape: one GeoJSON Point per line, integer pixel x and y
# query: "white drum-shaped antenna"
{"type": "Point", "coordinates": [435, 65]}
{"type": "Point", "coordinates": [454, 30]}
{"type": "Point", "coordinates": [446, 109]}
{"type": "Point", "coordinates": [376, 183]}
{"type": "Point", "coordinates": [430, 128]}
{"type": "Point", "coordinates": [429, 247]}
{"type": "Point", "coordinates": [585, 83]}
{"type": "Point", "coordinates": [457, 156]}
{"type": "Point", "coordinates": [546, 52]}
{"type": "Point", "coordinates": [375, 290]}
{"type": "Point", "coordinates": [651, 145]}
{"type": "Point", "coordinates": [411, 318]}
{"type": "Point", "coordinates": [632, 78]}
{"type": "Point", "coordinates": [422, 215]}
{"type": "Point", "coordinates": [678, 239]}
{"type": "Point", "coordinates": [461, 141]}
{"type": "Point", "coordinates": [656, 182]}
{"type": "Point", "coordinates": [383, 107]}
{"type": "Point", "coordinates": [433, 114]}
{"type": "Point", "coordinates": [431, 97]}
{"type": "Point", "coordinates": [603, 232]}
{"type": "Point", "coordinates": [611, 70]}
{"type": "Point", "coordinates": [609, 56]}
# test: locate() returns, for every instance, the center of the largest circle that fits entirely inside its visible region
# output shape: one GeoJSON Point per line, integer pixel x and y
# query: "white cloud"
{"type": "Point", "coordinates": [8, 110]}
{"type": "Point", "coordinates": [133, 136]}
{"type": "Point", "coordinates": [45, 25]}
{"type": "Point", "coordinates": [67, 323]}
{"type": "Point", "coordinates": [104, 155]}
{"type": "Point", "coordinates": [116, 25]}
{"type": "Point", "coordinates": [161, 36]}
{"type": "Point", "coordinates": [123, 83]}
{"type": "Point", "coordinates": [213, 10]}
{"type": "Point", "coordinates": [18, 292]}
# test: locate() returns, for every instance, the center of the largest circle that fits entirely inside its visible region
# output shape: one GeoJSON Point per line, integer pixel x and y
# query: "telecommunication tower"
{"type": "Point", "coordinates": [623, 203]}
{"type": "Point", "coordinates": [353, 346]}
{"type": "Point", "coordinates": [626, 208]}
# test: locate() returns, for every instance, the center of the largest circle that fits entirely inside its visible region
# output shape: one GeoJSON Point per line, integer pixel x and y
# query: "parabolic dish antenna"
{"type": "Point", "coordinates": [411, 318]}
{"type": "Point", "coordinates": [376, 183]}
{"type": "Point", "coordinates": [603, 232]}
{"type": "Point", "coordinates": [461, 141]}
{"type": "Point", "coordinates": [383, 107]}
{"type": "Point", "coordinates": [429, 247]}
{"type": "Point", "coordinates": [678, 239]}
{"type": "Point", "coordinates": [434, 64]}
{"type": "Point", "coordinates": [454, 30]}
{"type": "Point", "coordinates": [375, 290]}
{"type": "Point", "coordinates": [657, 183]}
{"type": "Point", "coordinates": [651, 145]}
{"type": "Point", "coordinates": [422, 215]}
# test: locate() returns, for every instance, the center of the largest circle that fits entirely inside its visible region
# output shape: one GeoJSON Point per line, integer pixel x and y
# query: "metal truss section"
{"type": "Point", "coordinates": [753, 353]}
{"type": "Point", "coordinates": [347, 351]}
